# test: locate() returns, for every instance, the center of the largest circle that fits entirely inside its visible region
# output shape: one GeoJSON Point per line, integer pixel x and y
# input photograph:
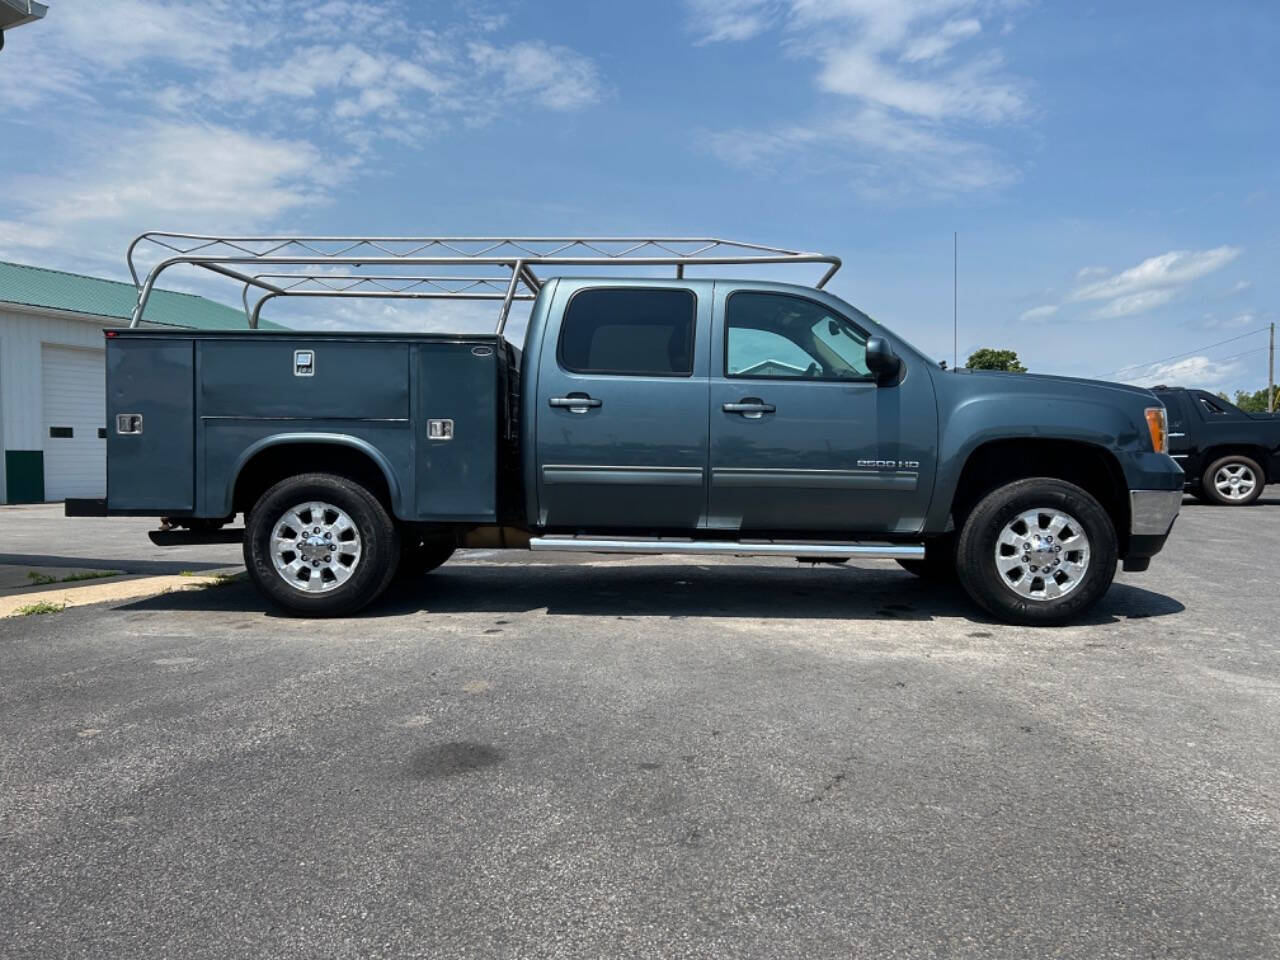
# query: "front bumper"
{"type": "Point", "coordinates": [1152, 512]}
{"type": "Point", "coordinates": [1151, 517]}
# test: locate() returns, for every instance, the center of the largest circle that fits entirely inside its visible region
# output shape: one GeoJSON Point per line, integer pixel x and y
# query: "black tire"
{"type": "Point", "coordinates": [1247, 465]}
{"type": "Point", "coordinates": [419, 556]}
{"type": "Point", "coordinates": [939, 563]}
{"type": "Point", "coordinates": [372, 571]}
{"type": "Point", "coordinates": [990, 589]}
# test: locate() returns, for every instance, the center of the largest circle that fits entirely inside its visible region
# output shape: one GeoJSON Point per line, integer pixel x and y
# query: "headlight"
{"type": "Point", "coordinates": [1158, 425]}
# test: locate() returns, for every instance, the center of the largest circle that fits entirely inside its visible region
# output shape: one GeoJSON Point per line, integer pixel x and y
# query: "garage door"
{"type": "Point", "coordinates": [74, 412]}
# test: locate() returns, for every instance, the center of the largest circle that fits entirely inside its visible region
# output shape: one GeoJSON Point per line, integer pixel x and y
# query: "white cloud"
{"type": "Point", "coordinates": [1040, 313]}
{"type": "Point", "coordinates": [555, 77]}
{"type": "Point", "coordinates": [715, 21]}
{"type": "Point", "coordinates": [1199, 371]}
{"type": "Point", "coordinates": [1090, 273]}
{"type": "Point", "coordinates": [1135, 303]}
{"type": "Point", "coordinates": [230, 114]}
{"type": "Point", "coordinates": [913, 103]}
{"type": "Point", "coordinates": [1173, 269]}
{"type": "Point", "coordinates": [934, 45]}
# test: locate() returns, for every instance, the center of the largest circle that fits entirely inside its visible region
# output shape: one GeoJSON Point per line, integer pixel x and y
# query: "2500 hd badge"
{"type": "Point", "coordinates": [890, 464]}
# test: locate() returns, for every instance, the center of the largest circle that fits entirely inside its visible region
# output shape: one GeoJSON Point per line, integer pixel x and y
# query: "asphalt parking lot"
{"type": "Point", "coordinates": [649, 757]}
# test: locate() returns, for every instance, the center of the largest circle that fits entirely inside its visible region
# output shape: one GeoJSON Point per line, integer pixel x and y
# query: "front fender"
{"type": "Point", "coordinates": [974, 410]}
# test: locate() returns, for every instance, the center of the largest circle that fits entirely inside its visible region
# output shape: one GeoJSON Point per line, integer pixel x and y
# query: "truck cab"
{"type": "Point", "coordinates": [639, 414]}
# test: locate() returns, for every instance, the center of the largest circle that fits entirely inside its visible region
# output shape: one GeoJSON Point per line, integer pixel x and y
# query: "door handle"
{"type": "Point", "coordinates": [753, 408]}
{"type": "Point", "coordinates": [575, 402]}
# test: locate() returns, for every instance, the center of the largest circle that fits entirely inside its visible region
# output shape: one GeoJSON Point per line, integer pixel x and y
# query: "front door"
{"type": "Point", "coordinates": [622, 408]}
{"type": "Point", "coordinates": [802, 439]}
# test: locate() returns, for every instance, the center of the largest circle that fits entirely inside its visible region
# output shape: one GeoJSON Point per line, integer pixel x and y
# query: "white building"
{"type": "Point", "coordinates": [53, 379]}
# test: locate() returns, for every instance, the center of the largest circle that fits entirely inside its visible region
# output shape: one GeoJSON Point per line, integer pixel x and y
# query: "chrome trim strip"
{"type": "Point", "coordinates": [743, 548]}
{"type": "Point", "coordinates": [607, 475]}
{"type": "Point", "coordinates": [1152, 512]}
{"type": "Point", "coordinates": [724, 477]}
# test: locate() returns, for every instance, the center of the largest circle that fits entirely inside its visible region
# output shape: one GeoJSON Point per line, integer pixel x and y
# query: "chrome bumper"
{"type": "Point", "coordinates": [1152, 512]}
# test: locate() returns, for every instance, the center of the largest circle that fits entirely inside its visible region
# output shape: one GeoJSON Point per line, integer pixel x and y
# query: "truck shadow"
{"type": "Point", "coordinates": [617, 590]}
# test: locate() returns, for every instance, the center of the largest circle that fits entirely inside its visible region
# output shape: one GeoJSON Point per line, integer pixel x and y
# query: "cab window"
{"type": "Point", "coordinates": [629, 332]}
{"type": "Point", "coordinates": [776, 336]}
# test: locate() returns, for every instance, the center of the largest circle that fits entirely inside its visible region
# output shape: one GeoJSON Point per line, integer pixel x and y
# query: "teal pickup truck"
{"type": "Point", "coordinates": [648, 413]}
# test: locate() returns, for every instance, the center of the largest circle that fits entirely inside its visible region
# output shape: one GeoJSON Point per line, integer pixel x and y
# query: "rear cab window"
{"type": "Point", "coordinates": [629, 332]}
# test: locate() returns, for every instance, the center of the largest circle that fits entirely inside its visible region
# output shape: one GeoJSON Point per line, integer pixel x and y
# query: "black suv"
{"type": "Point", "coordinates": [1227, 454]}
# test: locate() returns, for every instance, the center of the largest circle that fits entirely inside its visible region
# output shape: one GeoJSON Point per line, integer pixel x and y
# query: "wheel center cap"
{"type": "Point", "coordinates": [1042, 552]}
{"type": "Point", "coordinates": [314, 548]}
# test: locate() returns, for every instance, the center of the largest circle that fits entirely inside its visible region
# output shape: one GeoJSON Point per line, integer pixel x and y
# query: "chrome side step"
{"type": "Point", "coordinates": [731, 548]}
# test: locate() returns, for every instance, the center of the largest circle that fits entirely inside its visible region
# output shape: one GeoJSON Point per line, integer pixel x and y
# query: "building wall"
{"type": "Point", "coordinates": [22, 334]}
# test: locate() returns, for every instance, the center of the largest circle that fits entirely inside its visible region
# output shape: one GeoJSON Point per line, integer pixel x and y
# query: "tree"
{"type": "Point", "coordinates": [989, 359]}
{"type": "Point", "coordinates": [1253, 402]}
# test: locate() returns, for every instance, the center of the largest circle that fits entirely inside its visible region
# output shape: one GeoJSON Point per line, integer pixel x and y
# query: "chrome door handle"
{"type": "Point", "coordinates": [575, 402]}
{"type": "Point", "coordinates": [750, 407]}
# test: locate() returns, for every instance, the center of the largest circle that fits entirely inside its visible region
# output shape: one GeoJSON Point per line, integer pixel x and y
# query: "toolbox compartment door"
{"type": "Point", "coordinates": [153, 468]}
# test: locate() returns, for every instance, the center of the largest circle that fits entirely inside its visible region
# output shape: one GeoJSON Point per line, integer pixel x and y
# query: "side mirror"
{"type": "Point", "coordinates": [884, 364]}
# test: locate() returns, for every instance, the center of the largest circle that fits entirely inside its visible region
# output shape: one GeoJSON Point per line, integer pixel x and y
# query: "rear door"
{"type": "Point", "coordinates": [802, 439]}
{"type": "Point", "coordinates": [622, 408]}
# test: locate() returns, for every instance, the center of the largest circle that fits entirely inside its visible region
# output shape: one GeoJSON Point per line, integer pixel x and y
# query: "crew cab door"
{"type": "Point", "coordinates": [802, 438]}
{"type": "Point", "coordinates": [622, 407]}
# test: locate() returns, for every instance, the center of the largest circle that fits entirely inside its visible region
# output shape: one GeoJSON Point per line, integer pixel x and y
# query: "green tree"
{"type": "Point", "coordinates": [989, 359]}
{"type": "Point", "coordinates": [1255, 402]}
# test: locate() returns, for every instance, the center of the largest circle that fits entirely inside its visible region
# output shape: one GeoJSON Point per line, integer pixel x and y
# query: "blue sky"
{"type": "Point", "coordinates": [1113, 170]}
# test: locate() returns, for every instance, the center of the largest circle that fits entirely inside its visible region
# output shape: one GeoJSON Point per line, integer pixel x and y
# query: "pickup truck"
{"type": "Point", "coordinates": [642, 414]}
{"type": "Point", "coordinates": [1228, 455]}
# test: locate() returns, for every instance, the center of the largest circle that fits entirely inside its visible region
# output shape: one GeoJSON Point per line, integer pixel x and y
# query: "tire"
{"type": "Point", "coordinates": [419, 556]}
{"type": "Point", "coordinates": [939, 563]}
{"type": "Point", "coordinates": [1232, 481]}
{"type": "Point", "coordinates": [1003, 583]}
{"type": "Point", "coordinates": [349, 578]}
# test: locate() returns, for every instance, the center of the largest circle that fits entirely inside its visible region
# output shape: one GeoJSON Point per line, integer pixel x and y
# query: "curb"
{"type": "Point", "coordinates": [80, 596]}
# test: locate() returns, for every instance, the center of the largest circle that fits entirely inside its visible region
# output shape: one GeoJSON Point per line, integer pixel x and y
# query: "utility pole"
{"type": "Point", "coordinates": [1271, 372]}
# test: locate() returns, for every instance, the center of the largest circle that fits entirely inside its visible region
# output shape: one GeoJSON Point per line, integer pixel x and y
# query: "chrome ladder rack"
{"type": "Point", "coordinates": [241, 257]}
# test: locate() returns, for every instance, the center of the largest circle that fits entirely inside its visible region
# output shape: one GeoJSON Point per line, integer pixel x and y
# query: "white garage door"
{"type": "Point", "coordinates": [74, 409]}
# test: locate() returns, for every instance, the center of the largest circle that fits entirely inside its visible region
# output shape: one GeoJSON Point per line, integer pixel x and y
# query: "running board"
{"type": "Point", "coordinates": [733, 548]}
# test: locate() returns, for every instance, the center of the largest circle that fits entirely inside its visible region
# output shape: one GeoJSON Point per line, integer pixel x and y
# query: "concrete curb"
{"type": "Point", "coordinates": [81, 595]}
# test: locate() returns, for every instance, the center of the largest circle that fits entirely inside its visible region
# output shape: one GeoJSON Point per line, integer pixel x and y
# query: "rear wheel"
{"type": "Point", "coordinates": [1232, 481]}
{"type": "Point", "coordinates": [320, 545]}
{"type": "Point", "coordinates": [1037, 552]}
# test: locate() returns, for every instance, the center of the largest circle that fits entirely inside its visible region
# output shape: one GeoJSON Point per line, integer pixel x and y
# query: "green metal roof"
{"type": "Point", "coordinates": [111, 299]}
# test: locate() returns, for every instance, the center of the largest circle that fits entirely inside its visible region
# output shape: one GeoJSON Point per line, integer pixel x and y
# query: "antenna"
{"type": "Point", "coordinates": [955, 300]}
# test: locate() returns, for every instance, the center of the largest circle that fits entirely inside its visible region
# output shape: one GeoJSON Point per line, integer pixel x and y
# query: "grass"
{"type": "Point", "coordinates": [41, 606]}
{"type": "Point", "coordinates": [221, 580]}
{"type": "Point", "coordinates": [91, 575]}
{"type": "Point", "coordinates": [44, 579]}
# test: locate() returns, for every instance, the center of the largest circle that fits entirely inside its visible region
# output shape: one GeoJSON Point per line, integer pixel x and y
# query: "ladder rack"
{"type": "Point", "coordinates": [317, 258]}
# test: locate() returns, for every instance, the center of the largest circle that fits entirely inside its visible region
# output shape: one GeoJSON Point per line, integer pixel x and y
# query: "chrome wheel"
{"type": "Point", "coordinates": [315, 547]}
{"type": "Point", "coordinates": [1042, 554]}
{"type": "Point", "coordinates": [1235, 481]}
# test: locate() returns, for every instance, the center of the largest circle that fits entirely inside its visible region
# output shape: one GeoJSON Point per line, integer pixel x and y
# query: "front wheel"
{"type": "Point", "coordinates": [320, 545]}
{"type": "Point", "coordinates": [1232, 481]}
{"type": "Point", "coordinates": [1037, 552]}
